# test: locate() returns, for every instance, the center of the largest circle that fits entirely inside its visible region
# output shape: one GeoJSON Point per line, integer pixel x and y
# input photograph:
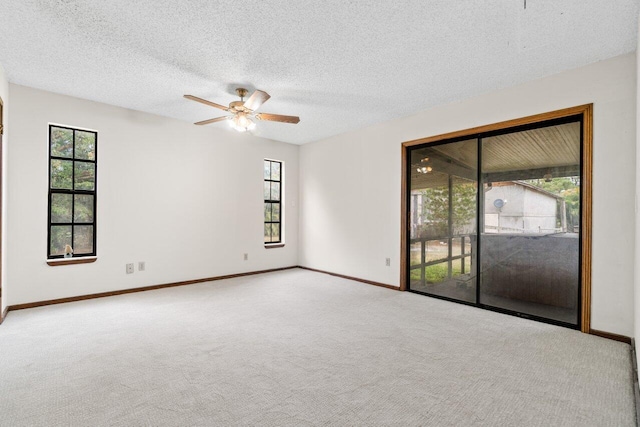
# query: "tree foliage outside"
{"type": "Point", "coordinates": [435, 210]}
{"type": "Point", "coordinates": [569, 189]}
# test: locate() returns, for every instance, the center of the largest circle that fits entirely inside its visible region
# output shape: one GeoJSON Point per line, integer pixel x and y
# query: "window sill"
{"type": "Point", "coordinates": [276, 245]}
{"type": "Point", "coordinates": [67, 261]}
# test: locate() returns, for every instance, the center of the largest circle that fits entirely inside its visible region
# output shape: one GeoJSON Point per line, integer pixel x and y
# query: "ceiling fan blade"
{"type": "Point", "coordinates": [256, 99]}
{"type": "Point", "coordinates": [278, 118]}
{"type": "Point", "coordinates": [204, 101]}
{"type": "Point", "coordinates": [217, 119]}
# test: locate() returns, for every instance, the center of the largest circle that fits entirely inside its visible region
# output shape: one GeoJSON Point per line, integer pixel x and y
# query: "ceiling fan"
{"type": "Point", "coordinates": [242, 111]}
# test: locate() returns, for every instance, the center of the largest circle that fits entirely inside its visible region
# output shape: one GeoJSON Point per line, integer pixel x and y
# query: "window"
{"type": "Point", "coordinates": [72, 191]}
{"type": "Point", "coordinates": [272, 201]}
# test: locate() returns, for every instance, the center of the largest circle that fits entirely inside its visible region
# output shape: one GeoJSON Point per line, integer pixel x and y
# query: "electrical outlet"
{"type": "Point", "coordinates": [388, 262]}
{"type": "Point", "coordinates": [141, 266]}
{"type": "Point", "coordinates": [246, 257]}
{"type": "Point", "coordinates": [130, 268]}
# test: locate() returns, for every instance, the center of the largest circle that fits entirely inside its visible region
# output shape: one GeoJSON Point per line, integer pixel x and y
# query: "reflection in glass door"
{"type": "Point", "coordinates": [526, 259]}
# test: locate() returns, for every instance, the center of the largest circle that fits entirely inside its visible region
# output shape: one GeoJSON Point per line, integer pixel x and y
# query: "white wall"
{"type": "Point", "coordinates": [350, 185]}
{"type": "Point", "coordinates": [185, 199]}
{"type": "Point", "coordinates": [4, 94]}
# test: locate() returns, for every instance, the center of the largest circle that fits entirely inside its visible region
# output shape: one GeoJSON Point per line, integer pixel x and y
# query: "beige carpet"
{"type": "Point", "coordinates": [302, 348]}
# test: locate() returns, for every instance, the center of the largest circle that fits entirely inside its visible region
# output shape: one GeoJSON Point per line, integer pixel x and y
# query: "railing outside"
{"type": "Point", "coordinates": [430, 258]}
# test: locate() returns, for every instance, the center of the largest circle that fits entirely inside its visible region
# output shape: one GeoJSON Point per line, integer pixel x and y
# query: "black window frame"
{"type": "Point", "coordinates": [73, 192]}
{"type": "Point", "coordinates": [272, 201]}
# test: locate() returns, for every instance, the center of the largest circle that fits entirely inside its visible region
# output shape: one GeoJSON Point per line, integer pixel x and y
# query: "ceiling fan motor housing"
{"type": "Point", "coordinates": [242, 92]}
{"type": "Point", "coordinates": [237, 106]}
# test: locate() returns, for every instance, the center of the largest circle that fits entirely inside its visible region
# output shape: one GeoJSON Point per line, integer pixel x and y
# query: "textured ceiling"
{"type": "Point", "coordinates": [338, 64]}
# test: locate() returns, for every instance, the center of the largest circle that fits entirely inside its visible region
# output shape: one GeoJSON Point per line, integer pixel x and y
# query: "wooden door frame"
{"type": "Point", "coordinates": [586, 197]}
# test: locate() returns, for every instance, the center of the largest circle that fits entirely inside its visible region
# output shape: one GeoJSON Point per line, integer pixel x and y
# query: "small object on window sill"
{"type": "Point", "coordinates": [68, 251]}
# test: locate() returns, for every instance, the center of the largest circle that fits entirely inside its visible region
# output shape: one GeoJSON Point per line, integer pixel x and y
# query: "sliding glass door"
{"type": "Point", "coordinates": [530, 242]}
{"type": "Point", "coordinates": [521, 188]}
{"type": "Point", "coordinates": [444, 187]}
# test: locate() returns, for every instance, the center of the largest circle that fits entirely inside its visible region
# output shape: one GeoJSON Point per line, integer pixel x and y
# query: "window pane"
{"type": "Point", "coordinates": [275, 212]}
{"type": "Point", "coordinates": [267, 169]}
{"type": "Point", "coordinates": [275, 171]}
{"type": "Point", "coordinates": [82, 239]}
{"type": "Point", "coordinates": [275, 191]}
{"type": "Point", "coordinates": [267, 233]}
{"type": "Point", "coordinates": [267, 212]}
{"type": "Point", "coordinates": [61, 207]}
{"type": "Point", "coordinates": [60, 236]}
{"type": "Point", "coordinates": [83, 208]}
{"type": "Point", "coordinates": [275, 232]}
{"type": "Point", "coordinates": [267, 190]}
{"type": "Point", "coordinates": [85, 176]}
{"type": "Point", "coordinates": [61, 142]}
{"type": "Point", "coordinates": [61, 174]}
{"type": "Point", "coordinates": [85, 145]}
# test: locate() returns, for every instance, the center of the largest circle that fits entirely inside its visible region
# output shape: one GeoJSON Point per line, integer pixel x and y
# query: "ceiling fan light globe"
{"type": "Point", "coordinates": [242, 123]}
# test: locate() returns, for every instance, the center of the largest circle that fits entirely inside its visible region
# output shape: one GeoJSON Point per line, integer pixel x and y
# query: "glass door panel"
{"type": "Point", "coordinates": [443, 220]}
{"type": "Point", "coordinates": [530, 241]}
